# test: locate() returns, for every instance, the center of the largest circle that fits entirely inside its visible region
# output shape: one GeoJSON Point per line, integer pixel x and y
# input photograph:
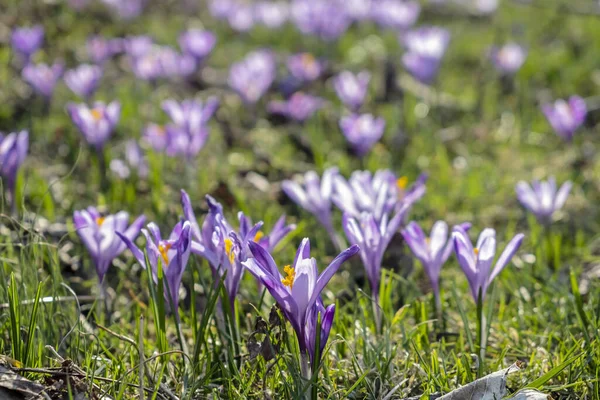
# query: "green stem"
{"type": "Point", "coordinates": [481, 336]}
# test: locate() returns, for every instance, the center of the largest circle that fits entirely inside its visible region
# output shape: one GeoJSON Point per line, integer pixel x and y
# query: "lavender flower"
{"type": "Point", "coordinates": [304, 67]}
{"type": "Point", "coordinates": [96, 124]}
{"type": "Point", "coordinates": [197, 43]}
{"type": "Point", "coordinates": [134, 159]}
{"type": "Point", "coordinates": [299, 107]}
{"type": "Point", "coordinates": [252, 77]}
{"type": "Point", "coordinates": [220, 9]}
{"type": "Point", "coordinates": [425, 48]}
{"type": "Point", "coordinates": [326, 19]}
{"type": "Point", "coordinates": [566, 117]}
{"type": "Point", "coordinates": [509, 58]}
{"type": "Point", "coordinates": [43, 78]}
{"type": "Point", "coordinates": [126, 9]}
{"type": "Point", "coordinates": [542, 198]}
{"type": "Point", "coordinates": [241, 17]}
{"type": "Point", "coordinates": [26, 41]}
{"type": "Point", "coordinates": [358, 10]}
{"type": "Point", "coordinates": [362, 131]}
{"type": "Point", "coordinates": [352, 89]}
{"type": "Point", "coordinates": [271, 14]}
{"type": "Point", "coordinates": [156, 136]}
{"type": "Point", "coordinates": [395, 14]}
{"type": "Point", "coordinates": [84, 79]}
{"type": "Point", "coordinates": [476, 262]}
{"type": "Point", "coordinates": [173, 254]}
{"type": "Point", "coordinates": [298, 292]}
{"type": "Point", "coordinates": [100, 49]}
{"type": "Point", "coordinates": [99, 235]}
{"type": "Point", "coordinates": [137, 45]}
{"type": "Point", "coordinates": [13, 150]}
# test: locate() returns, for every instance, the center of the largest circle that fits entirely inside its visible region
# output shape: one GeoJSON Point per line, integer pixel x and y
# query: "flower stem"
{"type": "Point", "coordinates": [481, 336]}
{"type": "Point", "coordinates": [306, 372]}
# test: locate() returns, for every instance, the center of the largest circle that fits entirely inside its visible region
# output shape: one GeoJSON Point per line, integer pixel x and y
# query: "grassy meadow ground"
{"type": "Point", "coordinates": [474, 134]}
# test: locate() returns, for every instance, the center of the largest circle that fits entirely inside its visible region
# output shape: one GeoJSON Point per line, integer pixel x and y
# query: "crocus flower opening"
{"type": "Point", "coordinates": [299, 107]}
{"type": "Point", "coordinates": [509, 58]}
{"type": "Point", "coordinates": [352, 89]}
{"type": "Point", "coordinates": [542, 198]}
{"type": "Point", "coordinates": [42, 77]}
{"type": "Point", "coordinates": [84, 80]}
{"type": "Point", "coordinates": [362, 131]}
{"type": "Point", "coordinates": [298, 292]}
{"type": "Point", "coordinates": [425, 47]}
{"type": "Point", "coordinates": [476, 262]}
{"type": "Point", "coordinates": [173, 254]}
{"type": "Point", "coordinates": [26, 41]}
{"type": "Point", "coordinates": [99, 235]}
{"type": "Point", "coordinates": [252, 77]}
{"type": "Point", "coordinates": [13, 150]}
{"type": "Point", "coordinates": [96, 124]}
{"type": "Point", "coordinates": [304, 67]}
{"type": "Point", "coordinates": [566, 116]}
{"type": "Point", "coordinates": [197, 43]}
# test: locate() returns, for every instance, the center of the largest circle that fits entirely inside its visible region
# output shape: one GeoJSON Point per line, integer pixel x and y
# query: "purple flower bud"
{"type": "Point", "coordinates": [352, 89]}
{"type": "Point", "coordinates": [362, 131]}
{"type": "Point", "coordinates": [542, 198]}
{"type": "Point", "coordinates": [426, 47]}
{"type": "Point", "coordinates": [26, 41]}
{"type": "Point", "coordinates": [509, 58]}
{"type": "Point", "coordinates": [252, 77]}
{"type": "Point", "coordinates": [299, 107]}
{"type": "Point", "coordinates": [96, 124]}
{"type": "Point", "coordinates": [566, 117]}
{"type": "Point", "coordinates": [197, 43]}
{"type": "Point", "coordinates": [43, 78]}
{"type": "Point", "coordinates": [13, 150]}
{"type": "Point", "coordinates": [84, 79]}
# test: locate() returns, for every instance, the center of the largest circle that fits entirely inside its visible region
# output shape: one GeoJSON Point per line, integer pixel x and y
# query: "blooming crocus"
{"type": "Point", "coordinates": [126, 9]}
{"type": "Point", "coordinates": [173, 254]}
{"type": "Point", "coordinates": [362, 131]}
{"type": "Point", "coordinates": [84, 79]}
{"type": "Point", "coordinates": [100, 49]}
{"type": "Point", "coordinates": [241, 17]}
{"type": "Point", "coordinates": [13, 150]}
{"type": "Point", "coordinates": [27, 40]}
{"type": "Point", "coordinates": [298, 291]}
{"type": "Point", "coordinates": [271, 14]}
{"type": "Point", "coordinates": [358, 10]}
{"type": "Point", "coordinates": [137, 45]}
{"type": "Point", "coordinates": [304, 67]}
{"type": "Point", "coordinates": [351, 88]}
{"type": "Point", "coordinates": [432, 251]}
{"type": "Point", "coordinates": [299, 107]}
{"type": "Point", "coordinates": [476, 262]}
{"type": "Point", "coordinates": [426, 47]}
{"type": "Point", "coordinates": [99, 235]}
{"type": "Point", "coordinates": [326, 19]}
{"type": "Point", "coordinates": [156, 136]}
{"type": "Point", "coordinates": [252, 77]}
{"type": "Point", "coordinates": [97, 123]}
{"type": "Point", "coordinates": [197, 43]}
{"type": "Point", "coordinates": [509, 58]}
{"type": "Point", "coordinates": [42, 77]}
{"type": "Point", "coordinates": [220, 9]}
{"type": "Point", "coordinates": [542, 198]}
{"type": "Point", "coordinates": [395, 14]}
{"type": "Point", "coordinates": [566, 116]}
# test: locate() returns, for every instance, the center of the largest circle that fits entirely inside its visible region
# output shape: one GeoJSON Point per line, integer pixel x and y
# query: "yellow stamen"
{"type": "Point", "coordinates": [290, 274]}
{"type": "Point", "coordinates": [259, 235]}
{"type": "Point", "coordinates": [229, 250]}
{"type": "Point", "coordinates": [100, 220]}
{"type": "Point", "coordinates": [476, 251]}
{"type": "Point", "coordinates": [308, 59]}
{"type": "Point", "coordinates": [97, 114]}
{"type": "Point", "coordinates": [163, 249]}
{"type": "Point", "coordinates": [161, 130]}
{"type": "Point", "coordinates": [402, 182]}
{"type": "Point", "coordinates": [428, 241]}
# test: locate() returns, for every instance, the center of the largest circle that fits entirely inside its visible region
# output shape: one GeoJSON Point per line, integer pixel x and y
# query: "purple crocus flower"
{"type": "Point", "coordinates": [542, 198]}
{"type": "Point", "coordinates": [304, 67]}
{"type": "Point", "coordinates": [100, 49]}
{"type": "Point", "coordinates": [137, 45]}
{"type": "Point", "coordinates": [96, 124]}
{"type": "Point", "coordinates": [13, 150]}
{"type": "Point", "coordinates": [326, 19]}
{"type": "Point", "coordinates": [84, 79]}
{"type": "Point", "coordinates": [362, 131]}
{"type": "Point", "coordinates": [426, 47]}
{"type": "Point", "coordinates": [566, 117]}
{"type": "Point", "coordinates": [476, 262]}
{"type": "Point", "coordinates": [432, 251]}
{"type": "Point", "coordinates": [252, 77]}
{"type": "Point", "coordinates": [42, 77]}
{"type": "Point", "coordinates": [352, 89]}
{"type": "Point", "coordinates": [299, 107]}
{"type": "Point", "coordinates": [156, 136]}
{"type": "Point", "coordinates": [126, 9]}
{"type": "Point", "coordinates": [298, 292]}
{"type": "Point", "coordinates": [358, 10]}
{"type": "Point", "coordinates": [173, 254]}
{"type": "Point", "coordinates": [197, 43]}
{"type": "Point", "coordinates": [99, 235]}
{"type": "Point", "coordinates": [241, 17]}
{"type": "Point", "coordinates": [395, 14]}
{"type": "Point", "coordinates": [509, 58]}
{"type": "Point", "coordinates": [134, 159]}
{"type": "Point", "coordinates": [271, 14]}
{"type": "Point", "coordinates": [26, 41]}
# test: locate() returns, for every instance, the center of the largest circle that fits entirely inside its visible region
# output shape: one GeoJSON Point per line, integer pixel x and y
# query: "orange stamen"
{"type": "Point", "coordinates": [100, 220]}
{"type": "Point", "coordinates": [290, 275]}
{"type": "Point", "coordinates": [402, 182]}
{"type": "Point", "coordinates": [163, 249]}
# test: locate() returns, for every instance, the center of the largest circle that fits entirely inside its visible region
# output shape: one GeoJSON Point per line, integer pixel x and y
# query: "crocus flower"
{"type": "Point", "coordinates": [358, 10]}
{"type": "Point", "coordinates": [326, 19]}
{"type": "Point", "coordinates": [84, 79]}
{"type": "Point", "coordinates": [126, 9]}
{"type": "Point", "coordinates": [252, 77]}
{"type": "Point", "coordinates": [299, 107]}
{"type": "Point", "coordinates": [26, 41]}
{"type": "Point", "coordinates": [100, 49]}
{"type": "Point", "coordinates": [156, 136]}
{"type": "Point", "coordinates": [566, 117]}
{"type": "Point", "coordinates": [197, 43]}
{"type": "Point", "coordinates": [395, 14]}
{"type": "Point", "coordinates": [542, 198]}
{"type": "Point", "coordinates": [241, 17]}
{"type": "Point", "coordinates": [220, 9]}
{"type": "Point", "coordinates": [362, 131]}
{"type": "Point", "coordinates": [96, 124]}
{"type": "Point", "coordinates": [426, 47]}
{"type": "Point", "coordinates": [137, 45]}
{"type": "Point", "coordinates": [173, 254]}
{"type": "Point", "coordinates": [271, 14]}
{"type": "Point", "coordinates": [42, 77]}
{"type": "Point", "coordinates": [298, 291]}
{"type": "Point", "coordinates": [476, 262]}
{"type": "Point", "coordinates": [509, 58]}
{"type": "Point", "coordinates": [432, 251]}
{"type": "Point", "coordinates": [134, 159]}
{"type": "Point", "coordinates": [352, 89]}
{"type": "Point", "coordinates": [304, 67]}
{"type": "Point", "coordinates": [99, 235]}
{"type": "Point", "coordinates": [13, 150]}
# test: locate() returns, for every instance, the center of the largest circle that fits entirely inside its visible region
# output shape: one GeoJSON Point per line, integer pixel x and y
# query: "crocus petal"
{"type": "Point", "coordinates": [188, 213]}
{"type": "Point", "coordinates": [137, 253]}
{"type": "Point", "coordinates": [507, 254]}
{"type": "Point", "coordinates": [331, 269]}
{"type": "Point", "coordinates": [562, 194]}
{"type": "Point", "coordinates": [263, 259]}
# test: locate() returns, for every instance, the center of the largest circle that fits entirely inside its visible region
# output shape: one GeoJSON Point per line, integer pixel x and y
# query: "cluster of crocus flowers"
{"type": "Point", "coordinates": [299, 107]}
{"type": "Point", "coordinates": [298, 293]}
{"type": "Point", "coordinates": [43, 77]}
{"type": "Point", "coordinates": [172, 253]}
{"type": "Point", "coordinates": [542, 197]}
{"type": "Point", "coordinates": [352, 88]}
{"type": "Point", "coordinates": [13, 150]}
{"type": "Point", "coordinates": [26, 41]}
{"type": "Point", "coordinates": [161, 62]}
{"type": "Point", "coordinates": [508, 59]}
{"type": "Point", "coordinates": [84, 80]}
{"type": "Point", "coordinates": [100, 235]}
{"type": "Point", "coordinates": [362, 131]}
{"type": "Point", "coordinates": [566, 116]}
{"type": "Point", "coordinates": [197, 43]}
{"type": "Point", "coordinates": [425, 48]}
{"type": "Point", "coordinates": [252, 77]}
{"type": "Point", "coordinates": [95, 123]}
{"type": "Point", "coordinates": [326, 19]}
